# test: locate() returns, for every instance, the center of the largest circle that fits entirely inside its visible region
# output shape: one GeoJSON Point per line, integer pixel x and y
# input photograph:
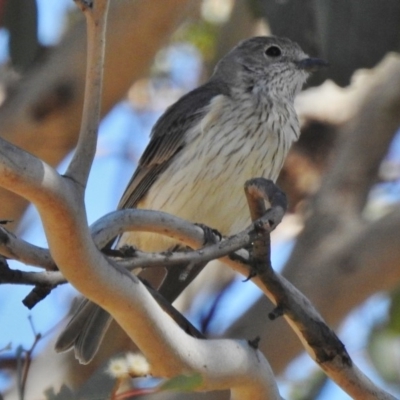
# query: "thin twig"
{"type": "Point", "coordinates": [24, 369]}
{"type": "Point", "coordinates": [96, 20]}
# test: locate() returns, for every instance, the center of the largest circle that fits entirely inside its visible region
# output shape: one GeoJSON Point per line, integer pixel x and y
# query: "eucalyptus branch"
{"type": "Point", "coordinates": [116, 223]}
{"type": "Point", "coordinates": [96, 22]}
{"type": "Point", "coordinates": [17, 249]}
{"type": "Point", "coordinates": [317, 338]}
{"type": "Point", "coordinates": [16, 276]}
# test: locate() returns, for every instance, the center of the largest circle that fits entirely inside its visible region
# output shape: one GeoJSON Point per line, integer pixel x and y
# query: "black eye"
{"type": "Point", "coordinates": [273, 51]}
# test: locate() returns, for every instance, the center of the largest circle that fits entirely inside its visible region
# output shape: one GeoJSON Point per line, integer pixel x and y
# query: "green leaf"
{"type": "Point", "coordinates": [182, 383]}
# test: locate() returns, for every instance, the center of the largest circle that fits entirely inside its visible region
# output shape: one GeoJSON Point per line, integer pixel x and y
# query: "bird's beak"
{"type": "Point", "coordinates": [311, 64]}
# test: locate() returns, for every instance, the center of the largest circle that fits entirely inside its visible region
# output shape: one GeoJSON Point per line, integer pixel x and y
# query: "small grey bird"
{"type": "Point", "coordinates": [238, 125]}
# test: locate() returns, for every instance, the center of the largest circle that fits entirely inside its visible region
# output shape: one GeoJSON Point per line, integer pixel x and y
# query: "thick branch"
{"type": "Point", "coordinates": [346, 186]}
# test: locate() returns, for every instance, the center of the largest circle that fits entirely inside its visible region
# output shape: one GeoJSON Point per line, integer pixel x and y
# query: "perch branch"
{"type": "Point", "coordinates": [318, 339]}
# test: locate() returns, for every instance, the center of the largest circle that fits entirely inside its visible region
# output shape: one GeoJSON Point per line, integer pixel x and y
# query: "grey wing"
{"type": "Point", "coordinates": [168, 139]}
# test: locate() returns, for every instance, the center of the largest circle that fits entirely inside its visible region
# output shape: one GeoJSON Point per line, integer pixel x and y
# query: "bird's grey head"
{"type": "Point", "coordinates": [270, 65]}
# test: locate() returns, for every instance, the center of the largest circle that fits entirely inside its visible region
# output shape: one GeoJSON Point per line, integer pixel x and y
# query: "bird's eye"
{"type": "Point", "coordinates": [273, 51]}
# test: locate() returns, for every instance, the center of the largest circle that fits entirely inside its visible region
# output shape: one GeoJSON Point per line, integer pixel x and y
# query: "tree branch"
{"type": "Point", "coordinates": [349, 182]}
{"type": "Point", "coordinates": [17, 249]}
{"type": "Point", "coordinates": [96, 24]}
{"type": "Point", "coordinates": [318, 339]}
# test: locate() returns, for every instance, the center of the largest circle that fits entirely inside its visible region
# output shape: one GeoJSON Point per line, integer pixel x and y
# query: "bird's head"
{"type": "Point", "coordinates": [273, 65]}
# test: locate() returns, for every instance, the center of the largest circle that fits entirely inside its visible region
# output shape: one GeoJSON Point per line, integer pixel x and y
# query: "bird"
{"type": "Point", "coordinates": [238, 125]}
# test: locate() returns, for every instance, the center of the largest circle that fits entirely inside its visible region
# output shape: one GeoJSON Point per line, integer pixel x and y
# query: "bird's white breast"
{"type": "Point", "coordinates": [234, 142]}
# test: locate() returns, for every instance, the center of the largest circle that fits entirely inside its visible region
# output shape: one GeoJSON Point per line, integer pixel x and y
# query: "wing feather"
{"type": "Point", "coordinates": [168, 139]}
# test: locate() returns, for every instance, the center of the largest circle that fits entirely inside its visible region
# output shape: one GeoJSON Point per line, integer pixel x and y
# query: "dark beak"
{"type": "Point", "coordinates": [311, 64]}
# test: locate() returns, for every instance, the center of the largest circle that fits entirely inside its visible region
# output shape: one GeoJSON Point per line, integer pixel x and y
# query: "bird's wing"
{"type": "Point", "coordinates": [168, 138]}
